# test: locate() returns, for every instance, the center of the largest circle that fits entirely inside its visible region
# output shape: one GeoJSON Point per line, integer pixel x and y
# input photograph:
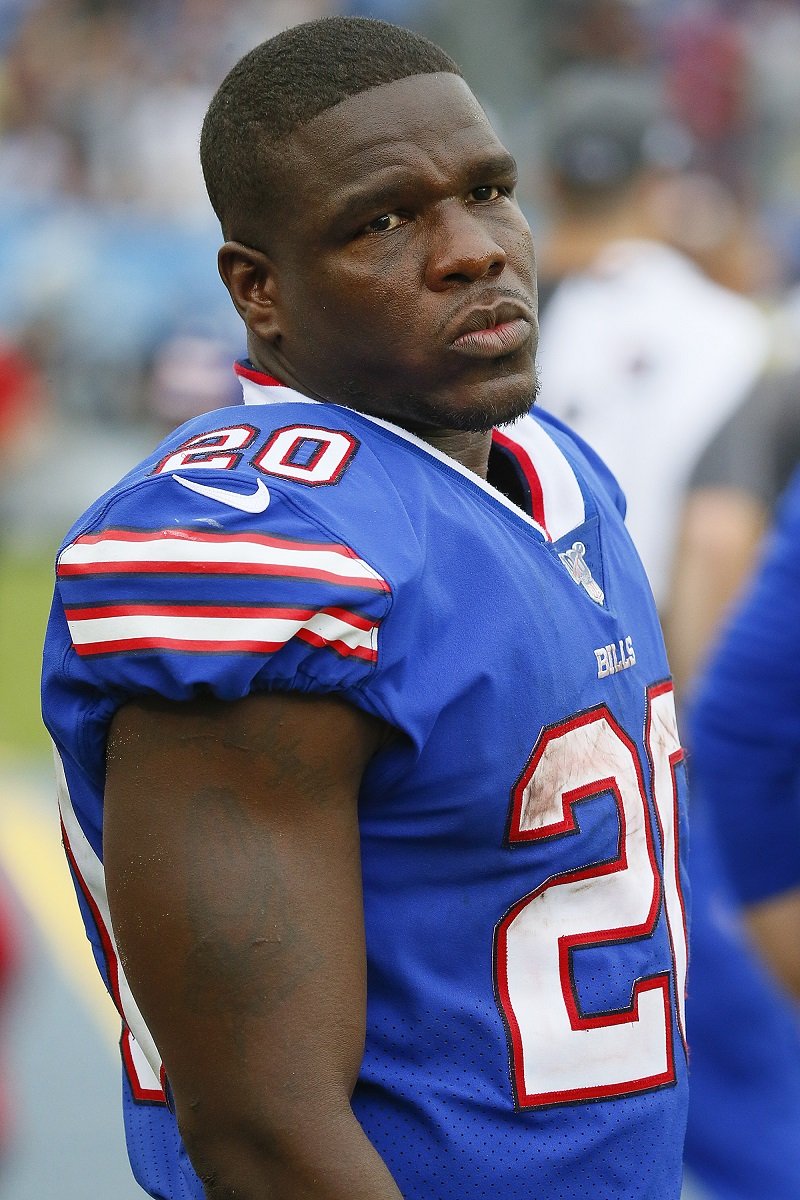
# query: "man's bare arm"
{"type": "Point", "coordinates": [775, 927]}
{"type": "Point", "coordinates": [232, 859]}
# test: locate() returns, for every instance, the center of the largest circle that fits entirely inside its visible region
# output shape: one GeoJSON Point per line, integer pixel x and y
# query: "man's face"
{"type": "Point", "coordinates": [404, 266]}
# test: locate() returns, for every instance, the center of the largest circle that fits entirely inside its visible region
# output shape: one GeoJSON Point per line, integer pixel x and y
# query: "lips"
{"type": "Point", "coordinates": [492, 331]}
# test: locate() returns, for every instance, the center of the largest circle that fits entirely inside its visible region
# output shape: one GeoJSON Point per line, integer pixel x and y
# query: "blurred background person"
{"type": "Point", "coordinates": [743, 705]}
{"type": "Point", "coordinates": [745, 734]}
{"type": "Point", "coordinates": [744, 729]}
{"type": "Point", "coordinates": [731, 496]}
{"type": "Point", "coordinates": [667, 355]}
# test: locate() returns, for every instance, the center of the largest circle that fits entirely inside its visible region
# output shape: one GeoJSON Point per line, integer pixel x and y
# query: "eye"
{"type": "Point", "coordinates": [384, 223]}
{"type": "Point", "coordinates": [488, 192]}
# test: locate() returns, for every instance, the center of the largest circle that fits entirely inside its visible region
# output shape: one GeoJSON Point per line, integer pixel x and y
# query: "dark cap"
{"type": "Point", "coordinates": [603, 127]}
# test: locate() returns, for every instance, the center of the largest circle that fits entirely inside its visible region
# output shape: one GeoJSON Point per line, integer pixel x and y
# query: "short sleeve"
{"type": "Point", "coordinates": [179, 595]}
{"type": "Point", "coordinates": [757, 448]}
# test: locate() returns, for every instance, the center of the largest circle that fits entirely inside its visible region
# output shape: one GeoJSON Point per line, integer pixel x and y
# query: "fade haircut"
{"type": "Point", "coordinates": [284, 83]}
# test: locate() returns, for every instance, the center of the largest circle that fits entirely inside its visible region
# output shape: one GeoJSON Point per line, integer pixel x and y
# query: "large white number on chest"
{"type": "Point", "coordinates": [561, 1053]}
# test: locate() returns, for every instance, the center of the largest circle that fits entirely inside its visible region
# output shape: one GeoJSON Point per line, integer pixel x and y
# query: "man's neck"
{"type": "Point", "coordinates": [469, 449]}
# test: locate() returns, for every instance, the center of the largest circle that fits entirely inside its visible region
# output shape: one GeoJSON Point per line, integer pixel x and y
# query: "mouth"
{"type": "Point", "coordinates": [493, 331]}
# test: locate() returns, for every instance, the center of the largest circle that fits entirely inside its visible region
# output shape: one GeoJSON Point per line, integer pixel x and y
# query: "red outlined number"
{"type": "Point", "coordinates": [559, 1053]}
{"type": "Point", "coordinates": [307, 454]}
{"type": "Point", "coordinates": [665, 754]}
{"type": "Point", "coordinates": [218, 450]}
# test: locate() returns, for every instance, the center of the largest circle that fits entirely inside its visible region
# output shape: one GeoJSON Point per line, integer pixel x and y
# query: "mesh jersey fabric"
{"type": "Point", "coordinates": [522, 843]}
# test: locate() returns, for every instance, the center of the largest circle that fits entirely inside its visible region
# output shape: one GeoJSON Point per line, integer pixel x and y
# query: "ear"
{"type": "Point", "coordinates": [249, 276]}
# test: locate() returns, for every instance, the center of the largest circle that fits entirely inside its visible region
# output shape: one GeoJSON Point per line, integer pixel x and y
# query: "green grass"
{"type": "Point", "coordinates": [26, 585]}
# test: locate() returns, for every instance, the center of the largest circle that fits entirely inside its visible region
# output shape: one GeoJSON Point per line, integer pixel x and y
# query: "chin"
{"type": "Point", "coordinates": [489, 406]}
{"type": "Point", "coordinates": [474, 407]}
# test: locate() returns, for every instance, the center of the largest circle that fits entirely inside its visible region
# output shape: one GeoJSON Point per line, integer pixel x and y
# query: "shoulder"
{"type": "Point", "coordinates": [703, 309]}
{"type": "Point", "coordinates": [291, 439]}
{"type": "Point", "coordinates": [291, 494]}
{"type": "Point", "coordinates": [252, 465]}
{"type": "Point", "coordinates": [243, 554]}
{"type": "Point", "coordinates": [649, 278]}
{"type": "Point", "coordinates": [757, 448]}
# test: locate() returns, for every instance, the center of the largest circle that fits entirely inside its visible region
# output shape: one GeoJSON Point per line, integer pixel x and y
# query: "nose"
{"type": "Point", "coordinates": [462, 248]}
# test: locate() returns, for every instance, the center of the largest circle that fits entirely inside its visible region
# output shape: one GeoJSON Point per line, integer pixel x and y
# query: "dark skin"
{"type": "Point", "coordinates": [232, 859]}
{"type": "Point", "coordinates": [231, 833]}
{"type": "Point", "coordinates": [406, 226]}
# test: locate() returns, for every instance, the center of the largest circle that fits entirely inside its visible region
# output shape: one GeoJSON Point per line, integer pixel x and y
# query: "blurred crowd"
{"type": "Point", "coordinates": [112, 317]}
{"type": "Point", "coordinates": [106, 239]}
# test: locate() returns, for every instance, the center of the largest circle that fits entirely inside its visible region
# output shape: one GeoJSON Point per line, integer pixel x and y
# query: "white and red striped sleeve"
{"type": "Point", "coordinates": [178, 607]}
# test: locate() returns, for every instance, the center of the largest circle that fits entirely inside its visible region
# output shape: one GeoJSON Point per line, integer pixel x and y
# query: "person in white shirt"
{"type": "Point", "coordinates": [667, 354]}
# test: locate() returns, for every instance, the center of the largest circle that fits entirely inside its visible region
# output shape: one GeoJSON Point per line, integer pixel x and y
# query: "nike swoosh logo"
{"type": "Point", "coordinates": [256, 502]}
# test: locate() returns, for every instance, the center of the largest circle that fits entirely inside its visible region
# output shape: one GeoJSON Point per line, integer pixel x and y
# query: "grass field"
{"type": "Point", "coordinates": [26, 584]}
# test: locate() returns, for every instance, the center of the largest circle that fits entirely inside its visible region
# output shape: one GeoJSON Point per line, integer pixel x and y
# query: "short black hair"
{"type": "Point", "coordinates": [285, 82]}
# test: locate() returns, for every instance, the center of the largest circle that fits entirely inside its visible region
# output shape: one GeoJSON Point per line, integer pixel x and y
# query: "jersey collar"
{"type": "Point", "coordinates": [554, 501]}
{"type": "Point", "coordinates": [258, 387]}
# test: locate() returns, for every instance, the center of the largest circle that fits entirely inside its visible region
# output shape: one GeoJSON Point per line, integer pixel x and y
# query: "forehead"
{"type": "Point", "coordinates": [426, 127]}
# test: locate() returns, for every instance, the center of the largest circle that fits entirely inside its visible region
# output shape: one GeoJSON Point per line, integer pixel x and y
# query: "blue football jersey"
{"type": "Point", "coordinates": [522, 840]}
{"type": "Point", "coordinates": [745, 720]}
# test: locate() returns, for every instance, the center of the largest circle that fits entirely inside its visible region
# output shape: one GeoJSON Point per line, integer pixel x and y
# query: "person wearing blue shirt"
{"type": "Point", "coordinates": [367, 754]}
{"type": "Point", "coordinates": [744, 725]}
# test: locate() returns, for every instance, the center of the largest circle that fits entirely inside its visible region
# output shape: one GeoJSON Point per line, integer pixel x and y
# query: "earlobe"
{"type": "Point", "coordinates": [249, 276]}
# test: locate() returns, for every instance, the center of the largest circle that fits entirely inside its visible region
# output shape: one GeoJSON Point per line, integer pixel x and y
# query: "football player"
{"type": "Point", "coordinates": [369, 772]}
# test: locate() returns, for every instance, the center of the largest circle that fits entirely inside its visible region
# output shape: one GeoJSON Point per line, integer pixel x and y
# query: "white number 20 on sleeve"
{"type": "Point", "coordinates": [560, 1054]}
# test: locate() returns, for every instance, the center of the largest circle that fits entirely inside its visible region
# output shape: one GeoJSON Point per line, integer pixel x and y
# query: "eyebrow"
{"type": "Point", "coordinates": [385, 196]}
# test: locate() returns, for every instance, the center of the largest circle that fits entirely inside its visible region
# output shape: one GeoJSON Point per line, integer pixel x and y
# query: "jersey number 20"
{"type": "Point", "coordinates": [559, 1053]}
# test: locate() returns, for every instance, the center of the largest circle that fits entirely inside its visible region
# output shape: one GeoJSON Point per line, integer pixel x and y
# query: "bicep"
{"type": "Point", "coordinates": [232, 859]}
